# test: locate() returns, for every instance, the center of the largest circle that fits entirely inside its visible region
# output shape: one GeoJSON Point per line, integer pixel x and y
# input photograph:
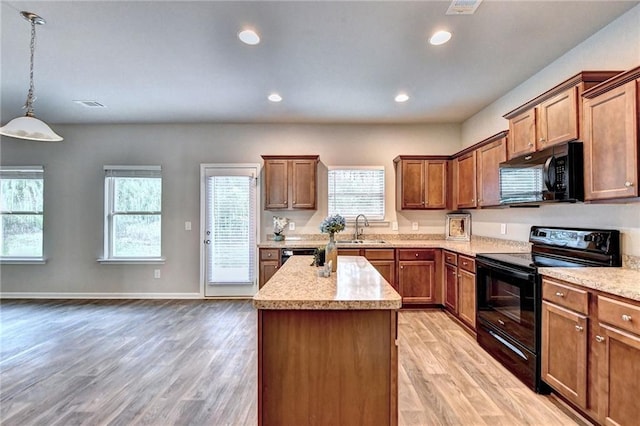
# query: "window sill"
{"type": "Point", "coordinates": [23, 261]}
{"type": "Point", "coordinates": [134, 261]}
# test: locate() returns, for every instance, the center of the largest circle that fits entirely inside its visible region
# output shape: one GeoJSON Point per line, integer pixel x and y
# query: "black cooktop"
{"type": "Point", "coordinates": [530, 260]}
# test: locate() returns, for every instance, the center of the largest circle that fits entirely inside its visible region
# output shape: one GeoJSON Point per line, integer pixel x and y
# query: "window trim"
{"type": "Point", "coordinates": [23, 260]}
{"type": "Point", "coordinates": [108, 214]}
{"type": "Point", "coordinates": [351, 219]}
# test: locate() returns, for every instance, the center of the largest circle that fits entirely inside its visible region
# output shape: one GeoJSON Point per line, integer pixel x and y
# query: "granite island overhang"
{"type": "Point", "coordinates": [327, 347]}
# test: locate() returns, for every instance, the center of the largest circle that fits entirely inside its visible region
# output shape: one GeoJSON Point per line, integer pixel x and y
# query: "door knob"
{"type": "Point", "coordinates": [207, 241]}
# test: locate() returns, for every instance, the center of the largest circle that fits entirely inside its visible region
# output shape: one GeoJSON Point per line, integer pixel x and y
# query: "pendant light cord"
{"type": "Point", "coordinates": [32, 45]}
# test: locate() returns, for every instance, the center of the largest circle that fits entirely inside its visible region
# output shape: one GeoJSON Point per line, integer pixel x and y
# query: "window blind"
{"type": "Point", "coordinates": [232, 223]}
{"type": "Point", "coordinates": [354, 191]}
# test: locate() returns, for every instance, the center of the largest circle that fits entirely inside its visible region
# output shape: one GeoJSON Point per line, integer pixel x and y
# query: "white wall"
{"type": "Point", "coordinates": [74, 190]}
{"type": "Point", "coordinates": [615, 47]}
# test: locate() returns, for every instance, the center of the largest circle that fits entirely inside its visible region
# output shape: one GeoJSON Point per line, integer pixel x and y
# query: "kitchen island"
{"type": "Point", "coordinates": [327, 351]}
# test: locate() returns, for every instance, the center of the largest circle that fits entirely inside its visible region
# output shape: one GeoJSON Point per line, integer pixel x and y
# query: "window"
{"type": "Point", "coordinates": [357, 190]}
{"type": "Point", "coordinates": [133, 212]}
{"type": "Point", "coordinates": [21, 208]}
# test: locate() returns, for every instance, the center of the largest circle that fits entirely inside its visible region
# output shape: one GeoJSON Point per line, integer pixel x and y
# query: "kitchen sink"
{"type": "Point", "coordinates": [361, 242]}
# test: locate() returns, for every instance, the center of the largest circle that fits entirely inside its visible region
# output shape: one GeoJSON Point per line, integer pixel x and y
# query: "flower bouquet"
{"type": "Point", "coordinates": [279, 223]}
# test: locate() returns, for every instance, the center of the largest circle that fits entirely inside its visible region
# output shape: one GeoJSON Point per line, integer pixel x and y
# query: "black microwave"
{"type": "Point", "coordinates": [551, 175]}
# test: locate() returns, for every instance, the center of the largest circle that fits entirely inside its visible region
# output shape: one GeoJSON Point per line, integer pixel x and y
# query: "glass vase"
{"type": "Point", "coordinates": [331, 253]}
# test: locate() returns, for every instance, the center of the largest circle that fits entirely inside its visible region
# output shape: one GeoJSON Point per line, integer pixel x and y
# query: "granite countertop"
{"type": "Point", "coordinates": [622, 282]}
{"type": "Point", "coordinates": [469, 248]}
{"type": "Point", "coordinates": [355, 285]}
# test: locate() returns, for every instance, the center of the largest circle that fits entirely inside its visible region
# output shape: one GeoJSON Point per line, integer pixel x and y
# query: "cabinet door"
{"type": "Point", "coordinates": [303, 184]}
{"type": "Point", "coordinates": [558, 119]}
{"type": "Point", "coordinates": [387, 269]}
{"type": "Point", "coordinates": [621, 377]}
{"type": "Point", "coordinates": [489, 157]}
{"type": "Point", "coordinates": [564, 352]}
{"type": "Point", "coordinates": [267, 269]}
{"type": "Point", "coordinates": [466, 180]}
{"type": "Point", "coordinates": [611, 144]}
{"type": "Point", "coordinates": [522, 134]}
{"type": "Point", "coordinates": [413, 184]}
{"type": "Point", "coordinates": [451, 288]}
{"type": "Point", "coordinates": [276, 173]}
{"type": "Point", "coordinates": [416, 280]}
{"type": "Point", "coordinates": [436, 184]}
{"type": "Point", "coordinates": [467, 297]}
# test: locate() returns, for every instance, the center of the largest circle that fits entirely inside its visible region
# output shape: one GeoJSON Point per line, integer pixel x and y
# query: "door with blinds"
{"type": "Point", "coordinates": [229, 228]}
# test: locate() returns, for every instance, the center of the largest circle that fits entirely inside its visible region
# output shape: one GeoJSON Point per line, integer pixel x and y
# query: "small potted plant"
{"type": "Point", "coordinates": [330, 225]}
{"type": "Point", "coordinates": [279, 223]}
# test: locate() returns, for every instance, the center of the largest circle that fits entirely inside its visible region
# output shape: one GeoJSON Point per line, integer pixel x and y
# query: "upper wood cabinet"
{"type": "Point", "coordinates": [290, 182]}
{"type": "Point", "coordinates": [465, 190]}
{"type": "Point", "coordinates": [610, 132]}
{"type": "Point", "coordinates": [553, 117]}
{"type": "Point", "coordinates": [421, 182]}
{"type": "Point", "coordinates": [488, 158]}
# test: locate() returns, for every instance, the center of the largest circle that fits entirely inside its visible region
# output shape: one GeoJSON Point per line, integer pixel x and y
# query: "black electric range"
{"type": "Point", "coordinates": [509, 296]}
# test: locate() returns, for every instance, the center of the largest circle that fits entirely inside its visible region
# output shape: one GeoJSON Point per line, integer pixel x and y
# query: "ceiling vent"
{"type": "Point", "coordinates": [463, 7]}
{"type": "Point", "coordinates": [90, 104]}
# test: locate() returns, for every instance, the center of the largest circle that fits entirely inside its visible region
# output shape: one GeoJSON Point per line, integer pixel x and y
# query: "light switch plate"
{"type": "Point", "coordinates": [394, 226]}
{"type": "Point", "coordinates": [292, 226]}
{"type": "Point", "coordinates": [503, 228]}
{"type": "Point", "coordinates": [414, 226]}
{"type": "Point", "coordinates": [187, 226]}
{"type": "Point", "coordinates": [156, 273]}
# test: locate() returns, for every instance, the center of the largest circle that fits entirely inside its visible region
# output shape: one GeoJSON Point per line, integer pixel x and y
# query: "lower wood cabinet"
{"type": "Point", "coordinates": [591, 351]}
{"type": "Point", "coordinates": [381, 259]}
{"type": "Point", "coordinates": [268, 265]}
{"type": "Point", "coordinates": [418, 275]}
{"type": "Point", "coordinates": [451, 287]}
{"type": "Point", "coordinates": [467, 297]}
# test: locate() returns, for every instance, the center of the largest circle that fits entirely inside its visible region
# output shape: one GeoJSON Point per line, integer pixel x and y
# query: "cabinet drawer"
{"type": "Point", "coordinates": [450, 258]}
{"type": "Point", "coordinates": [620, 314]}
{"type": "Point", "coordinates": [565, 296]}
{"type": "Point", "coordinates": [379, 254]}
{"type": "Point", "coordinates": [467, 263]}
{"type": "Point", "coordinates": [269, 254]}
{"type": "Point", "coordinates": [416, 254]}
{"type": "Point", "coordinates": [349, 252]}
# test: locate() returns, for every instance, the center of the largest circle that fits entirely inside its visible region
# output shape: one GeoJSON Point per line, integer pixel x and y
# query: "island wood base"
{"type": "Point", "coordinates": [327, 367]}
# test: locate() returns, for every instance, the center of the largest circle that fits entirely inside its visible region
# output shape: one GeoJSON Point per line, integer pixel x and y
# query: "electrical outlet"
{"type": "Point", "coordinates": [156, 273]}
{"type": "Point", "coordinates": [394, 226]}
{"type": "Point", "coordinates": [414, 226]}
{"type": "Point", "coordinates": [292, 226]}
{"type": "Point", "coordinates": [503, 228]}
{"type": "Point", "coordinates": [187, 226]}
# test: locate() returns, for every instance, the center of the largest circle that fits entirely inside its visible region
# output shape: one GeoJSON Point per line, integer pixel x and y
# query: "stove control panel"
{"type": "Point", "coordinates": [592, 240]}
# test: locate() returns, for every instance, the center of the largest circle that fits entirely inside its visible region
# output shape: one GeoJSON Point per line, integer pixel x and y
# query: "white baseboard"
{"type": "Point", "coordinates": [43, 295]}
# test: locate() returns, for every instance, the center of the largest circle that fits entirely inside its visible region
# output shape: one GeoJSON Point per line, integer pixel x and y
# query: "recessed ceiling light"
{"type": "Point", "coordinates": [274, 97]}
{"type": "Point", "coordinates": [249, 37]}
{"type": "Point", "coordinates": [440, 37]}
{"type": "Point", "coordinates": [402, 97]}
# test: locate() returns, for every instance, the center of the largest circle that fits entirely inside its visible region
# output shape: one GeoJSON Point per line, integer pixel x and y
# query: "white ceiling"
{"type": "Point", "coordinates": [181, 61]}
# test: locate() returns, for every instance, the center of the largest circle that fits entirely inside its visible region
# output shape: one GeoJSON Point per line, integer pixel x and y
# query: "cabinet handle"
{"type": "Point", "coordinates": [402, 267]}
{"type": "Point", "coordinates": [464, 263]}
{"type": "Point", "coordinates": [416, 254]}
{"type": "Point", "coordinates": [599, 339]}
{"type": "Point", "coordinates": [628, 184]}
{"type": "Point", "coordinates": [530, 143]}
{"type": "Point", "coordinates": [500, 322]}
{"type": "Point", "coordinates": [579, 328]}
{"type": "Point", "coordinates": [559, 294]}
{"type": "Point", "coordinates": [626, 317]}
{"type": "Point", "coordinates": [269, 255]}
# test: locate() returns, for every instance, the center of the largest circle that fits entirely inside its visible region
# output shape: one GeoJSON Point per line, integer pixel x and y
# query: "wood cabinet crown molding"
{"type": "Point", "coordinates": [291, 157]}
{"type": "Point", "coordinates": [588, 77]}
{"type": "Point", "coordinates": [618, 80]}
{"type": "Point", "coordinates": [487, 141]}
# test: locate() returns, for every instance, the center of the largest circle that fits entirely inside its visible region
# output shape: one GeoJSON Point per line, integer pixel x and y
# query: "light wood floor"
{"type": "Point", "coordinates": [194, 362]}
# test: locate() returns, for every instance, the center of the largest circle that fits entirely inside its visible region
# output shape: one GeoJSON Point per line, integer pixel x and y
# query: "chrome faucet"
{"type": "Point", "coordinates": [358, 231]}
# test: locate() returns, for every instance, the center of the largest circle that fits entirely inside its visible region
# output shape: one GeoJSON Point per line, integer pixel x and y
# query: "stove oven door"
{"type": "Point", "coordinates": [506, 302]}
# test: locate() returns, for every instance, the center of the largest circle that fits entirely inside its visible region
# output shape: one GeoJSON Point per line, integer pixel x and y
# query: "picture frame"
{"type": "Point", "coordinates": [458, 227]}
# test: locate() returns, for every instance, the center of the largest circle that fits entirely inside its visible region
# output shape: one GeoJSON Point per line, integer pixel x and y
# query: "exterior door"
{"type": "Point", "coordinates": [229, 226]}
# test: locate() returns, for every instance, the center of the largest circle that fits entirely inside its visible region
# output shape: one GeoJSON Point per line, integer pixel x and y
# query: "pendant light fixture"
{"type": "Point", "coordinates": [29, 127]}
